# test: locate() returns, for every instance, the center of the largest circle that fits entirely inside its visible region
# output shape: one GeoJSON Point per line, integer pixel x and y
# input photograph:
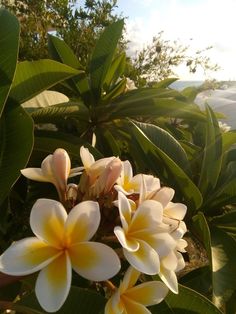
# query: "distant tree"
{"type": "Point", "coordinates": [159, 60]}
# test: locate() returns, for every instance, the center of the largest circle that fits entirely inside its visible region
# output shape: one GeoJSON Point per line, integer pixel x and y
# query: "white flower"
{"type": "Point", "coordinates": [143, 235]}
{"type": "Point", "coordinates": [61, 243]}
{"type": "Point", "coordinates": [56, 169]}
{"type": "Point", "coordinates": [130, 299]}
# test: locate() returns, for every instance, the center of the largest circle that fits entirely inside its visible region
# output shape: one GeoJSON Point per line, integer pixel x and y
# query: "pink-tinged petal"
{"type": "Point", "coordinates": [146, 259]}
{"type": "Point", "coordinates": [130, 278]}
{"type": "Point", "coordinates": [163, 195]}
{"type": "Point", "coordinates": [61, 166]}
{"type": "Point", "coordinates": [148, 293]}
{"type": "Point", "coordinates": [86, 157]}
{"type": "Point", "coordinates": [114, 305]}
{"type": "Point", "coordinates": [53, 284]}
{"type": "Point", "coordinates": [170, 279]}
{"type": "Point", "coordinates": [175, 210]}
{"type": "Point", "coordinates": [46, 167]}
{"type": "Point", "coordinates": [127, 171]}
{"type": "Point", "coordinates": [35, 174]}
{"type": "Point", "coordinates": [75, 171]}
{"type": "Point", "coordinates": [27, 256]}
{"type": "Point", "coordinates": [147, 216]}
{"type": "Point", "coordinates": [132, 307]}
{"type": "Point", "coordinates": [82, 222]}
{"type": "Point", "coordinates": [127, 243]}
{"type": "Point", "coordinates": [47, 220]}
{"type": "Point", "coordinates": [94, 261]}
{"type": "Point", "coordinates": [170, 261]}
{"type": "Point", "coordinates": [124, 210]}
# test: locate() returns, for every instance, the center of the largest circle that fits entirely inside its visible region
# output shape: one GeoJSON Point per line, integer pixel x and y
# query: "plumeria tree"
{"type": "Point", "coordinates": [113, 199]}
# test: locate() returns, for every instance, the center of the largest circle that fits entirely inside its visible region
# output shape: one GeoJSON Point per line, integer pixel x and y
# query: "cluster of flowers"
{"type": "Point", "coordinates": [110, 205]}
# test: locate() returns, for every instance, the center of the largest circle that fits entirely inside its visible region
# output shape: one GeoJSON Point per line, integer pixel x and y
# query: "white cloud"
{"type": "Point", "coordinates": [209, 22]}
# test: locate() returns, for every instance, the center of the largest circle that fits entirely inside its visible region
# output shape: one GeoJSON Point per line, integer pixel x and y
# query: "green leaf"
{"type": "Point", "coordinates": [190, 93]}
{"type": "Point", "coordinates": [167, 143]}
{"type": "Point", "coordinates": [154, 158]}
{"type": "Point", "coordinates": [16, 141]}
{"type": "Point", "coordinates": [187, 301]}
{"type": "Point", "coordinates": [201, 226]}
{"type": "Point", "coordinates": [226, 222]}
{"type": "Point", "coordinates": [116, 70]}
{"type": "Point", "coordinates": [79, 301]}
{"type": "Point", "coordinates": [33, 77]}
{"type": "Point", "coordinates": [165, 83]}
{"type": "Point", "coordinates": [106, 142]}
{"type": "Point", "coordinates": [212, 155]}
{"type": "Point", "coordinates": [9, 43]}
{"type": "Point", "coordinates": [228, 139]}
{"type": "Point", "coordinates": [223, 265]}
{"type": "Point", "coordinates": [61, 52]}
{"type": "Point", "coordinates": [102, 56]}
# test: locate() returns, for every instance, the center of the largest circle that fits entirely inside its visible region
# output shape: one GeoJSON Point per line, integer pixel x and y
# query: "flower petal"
{"type": "Point", "coordinates": [134, 307]}
{"type": "Point", "coordinates": [129, 244]}
{"type": "Point", "coordinates": [148, 293]}
{"type": "Point", "coordinates": [94, 261]}
{"type": "Point", "coordinates": [53, 284]}
{"type": "Point", "coordinates": [61, 166]}
{"type": "Point", "coordinates": [175, 210]}
{"type": "Point", "coordinates": [170, 279]}
{"type": "Point", "coordinates": [47, 221]}
{"type": "Point", "coordinates": [163, 195]}
{"type": "Point", "coordinates": [147, 216]}
{"type": "Point", "coordinates": [146, 259]}
{"type": "Point", "coordinates": [86, 157]}
{"type": "Point", "coordinates": [114, 304]}
{"type": "Point", "coordinates": [35, 174]}
{"type": "Point", "coordinates": [26, 257]}
{"type": "Point", "coordinates": [124, 210]}
{"type": "Point", "coordinates": [130, 278]}
{"type": "Point", "coordinates": [170, 261]}
{"type": "Point", "coordinates": [82, 222]}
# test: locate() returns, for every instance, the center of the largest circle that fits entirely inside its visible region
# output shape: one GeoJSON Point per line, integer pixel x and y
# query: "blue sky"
{"type": "Point", "coordinates": [199, 23]}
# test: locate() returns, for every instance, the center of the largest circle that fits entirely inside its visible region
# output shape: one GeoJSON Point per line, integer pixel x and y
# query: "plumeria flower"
{"type": "Point", "coordinates": [129, 184]}
{"type": "Point", "coordinates": [99, 176]}
{"type": "Point", "coordinates": [130, 299]}
{"type": "Point", "coordinates": [61, 243]}
{"type": "Point", "coordinates": [56, 169]}
{"type": "Point", "coordinates": [142, 235]}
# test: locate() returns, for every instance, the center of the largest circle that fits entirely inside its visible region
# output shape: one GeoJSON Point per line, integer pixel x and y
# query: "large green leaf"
{"type": "Point", "coordinates": [102, 56]}
{"type": "Point", "coordinates": [33, 77]}
{"type": "Point", "coordinates": [167, 143]}
{"type": "Point", "coordinates": [9, 43]}
{"type": "Point", "coordinates": [226, 222]}
{"type": "Point", "coordinates": [156, 160]}
{"type": "Point", "coordinates": [212, 155]}
{"type": "Point", "coordinates": [228, 138]}
{"type": "Point", "coordinates": [79, 301]}
{"type": "Point", "coordinates": [223, 265]}
{"type": "Point", "coordinates": [154, 101]}
{"type": "Point", "coordinates": [16, 141]}
{"type": "Point", "coordinates": [116, 71]}
{"type": "Point", "coordinates": [187, 301]}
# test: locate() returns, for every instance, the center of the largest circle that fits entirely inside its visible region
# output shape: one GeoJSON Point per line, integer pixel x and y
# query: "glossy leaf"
{"type": "Point", "coordinates": [33, 77]}
{"type": "Point", "coordinates": [116, 71]}
{"type": "Point", "coordinates": [9, 43]}
{"type": "Point", "coordinates": [212, 154]}
{"type": "Point", "coordinates": [226, 222]}
{"type": "Point", "coordinates": [165, 83]}
{"type": "Point", "coordinates": [153, 157]}
{"type": "Point", "coordinates": [223, 265]}
{"type": "Point", "coordinates": [16, 141]}
{"type": "Point", "coordinates": [102, 56]}
{"type": "Point", "coordinates": [187, 301]}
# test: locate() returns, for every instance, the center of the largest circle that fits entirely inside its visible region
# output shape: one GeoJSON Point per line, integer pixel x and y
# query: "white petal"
{"type": "Point", "coordinates": [148, 293]}
{"type": "Point", "coordinates": [170, 261]}
{"type": "Point", "coordinates": [164, 196]}
{"type": "Point", "coordinates": [113, 305]}
{"type": "Point", "coordinates": [61, 166]}
{"type": "Point", "coordinates": [134, 307]}
{"type": "Point", "coordinates": [47, 220]}
{"type": "Point", "coordinates": [145, 260]}
{"type": "Point", "coordinates": [53, 284]}
{"type": "Point", "coordinates": [175, 210]}
{"type": "Point", "coordinates": [127, 243]}
{"type": "Point", "coordinates": [163, 244]}
{"type": "Point", "coordinates": [26, 257]}
{"type": "Point", "coordinates": [83, 221]}
{"type": "Point", "coordinates": [130, 278]}
{"type": "Point", "coordinates": [46, 167]}
{"type": "Point", "coordinates": [124, 210]}
{"type": "Point", "coordinates": [147, 216]}
{"type": "Point", "coordinates": [94, 261]}
{"type": "Point", "coordinates": [86, 157]}
{"type": "Point", "coordinates": [35, 174]}
{"type": "Point", "coordinates": [170, 279]}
